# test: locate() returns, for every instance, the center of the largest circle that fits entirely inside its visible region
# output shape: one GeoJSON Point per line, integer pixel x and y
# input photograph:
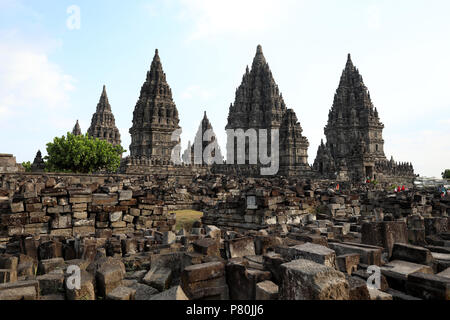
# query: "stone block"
{"type": "Point", "coordinates": [348, 263]}
{"type": "Point", "coordinates": [159, 278]}
{"type": "Point", "coordinates": [311, 251]}
{"type": "Point", "coordinates": [266, 290]}
{"type": "Point", "coordinates": [240, 247]}
{"type": "Point", "coordinates": [428, 286]}
{"type": "Point", "coordinates": [384, 234]}
{"type": "Point", "coordinates": [307, 280]}
{"type": "Point", "coordinates": [207, 246]}
{"type": "Point", "coordinates": [369, 255]}
{"type": "Point", "coordinates": [109, 277]}
{"type": "Point", "coordinates": [51, 283]}
{"type": "Point", "coordinates": [412, 253]}
{"type": "Point", "coordinates": [121, 293]}
{"type": "Point", "coordinates": [397, 272]}
{"type": "Point", "coordinates": [85, 292]}
{"type": "Point", "coordinates": [46, 266]}
{"type": "Point", "coordinates": [21, 290]}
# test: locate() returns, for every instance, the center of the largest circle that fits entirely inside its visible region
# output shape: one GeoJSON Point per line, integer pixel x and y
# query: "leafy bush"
{"type": "Point", "coordinates": [446, 174]}
{"type": "Point", "coordinates": [82, 154]}
{"type": "Point", "coordinates": [27, 166]}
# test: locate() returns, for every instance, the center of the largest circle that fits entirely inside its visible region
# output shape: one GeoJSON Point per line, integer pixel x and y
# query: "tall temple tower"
{"type": "Point", "coordinates": [103, 124]}
{"type": "Point", "coordinates": [196, 154]}
{"type": "Point", "coordinates": [260, 105]}
{"type": "Point", "coordinates": [354, 132]}
{"type": "Point", "coordinates": [155, 117]}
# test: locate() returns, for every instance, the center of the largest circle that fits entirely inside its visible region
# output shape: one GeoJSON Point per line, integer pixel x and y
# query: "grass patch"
{"type": "Point", "coordinates": [185, 218]}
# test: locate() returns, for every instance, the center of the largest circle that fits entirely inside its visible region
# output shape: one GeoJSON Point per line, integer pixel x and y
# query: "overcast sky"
{"type": "Point", "coordinates": [51, 75]}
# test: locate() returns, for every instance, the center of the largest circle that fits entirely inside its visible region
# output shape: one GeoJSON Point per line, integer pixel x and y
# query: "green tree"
{"type": "Point", "coordinates": [27, 166]}
{"type": "Point", "coordinates": [446, 174]}
{"type": "Point", "coordinates": [82, 154]}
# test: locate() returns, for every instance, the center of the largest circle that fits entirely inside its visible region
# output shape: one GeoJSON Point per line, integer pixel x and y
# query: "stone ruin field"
{"type": "Point", "coordinates": [258, 239]}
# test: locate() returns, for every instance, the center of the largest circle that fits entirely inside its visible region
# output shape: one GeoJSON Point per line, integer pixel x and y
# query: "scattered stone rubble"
{"type": "Point", "coordinates": [259, 239]}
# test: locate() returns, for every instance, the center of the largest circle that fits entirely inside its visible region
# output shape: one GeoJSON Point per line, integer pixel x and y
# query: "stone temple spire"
{"type": "Point", "coordinates": [155, 117]}
{"type": "Point", "coordinates": [77, 130]}
{"type": "Point", "coordinates": [258, 102]}
{"type": "Point", "coordinates": [259, 105]}
{"type": "Point", "coordinates": [354, 131]}
{"type": "Point", "coordinates": [103, 124]}
{"type": "Point", "coordinates": [197, 153]}
{"type": "Point", "coordinates": [38, 163]}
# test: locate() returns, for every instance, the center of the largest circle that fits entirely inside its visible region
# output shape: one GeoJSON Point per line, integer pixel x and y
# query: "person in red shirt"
{"type": "Point", "coordinates": [403, 188]}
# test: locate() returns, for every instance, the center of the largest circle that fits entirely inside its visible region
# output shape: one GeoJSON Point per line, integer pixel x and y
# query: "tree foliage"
{"type": "Point", "coordinates": [446, 174]}
{"type": "Point", "coordinates": [82, 154]}
{"type": "Point", "coordinates": [27, 166]}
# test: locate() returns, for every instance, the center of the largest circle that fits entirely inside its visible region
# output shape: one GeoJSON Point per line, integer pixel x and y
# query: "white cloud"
{"type": "Point", "coordinates": [29, 81]}
{"type": "Point", "coordinates": [216, 17]}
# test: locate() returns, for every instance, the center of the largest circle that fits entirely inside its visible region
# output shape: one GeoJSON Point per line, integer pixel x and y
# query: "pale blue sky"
{"type": "Point", "coordinates": [50, 76]}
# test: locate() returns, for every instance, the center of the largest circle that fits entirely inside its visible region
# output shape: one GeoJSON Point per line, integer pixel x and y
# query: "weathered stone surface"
{"type": "Point", "coordinates": [397, 272]}
{"type": "Point", "coordinates": [108, 278]}
{"type": "Point", "coordinates": [384, 234]}
{"type": "Point", "coordinates": [428, 286]}
{"type": "Point", "coordinates": [307, 280]}
{"type": "Point", "coordinates": [242, 280]}
{"type": "Point", "coordinates": [348, 263]}
{"type": "Point", "coordinates": [311, 251]}
{"type": "Point", "coordinates": [51, 283]}
{"type": "Point", "coordinates": [369, 255]}
{"type": "Point", "coordinates": [240, 247]}
{"type": "Point", "coordinates": [376, 294]}
{"type": "Point", "coordinates": [86, 290]}
{"type": "Point", "coordinates": [174, 293]}
{"type": "Point", "coordinates": [121, 293]}
{"type": "Point", "coordinates": [412, 253]}
{"type": "Point", "coordinates": [46, 266]}
{"type": "Point", "coordinates": [203, 272]}
{"type": "Point", "coordinates": [205, 281]}
{"type": "Point", "coordinates": [207, 246]}
{"type": "Point", "coordinates": [159, 278]}
{"type": "Point", "coordinates": [266, 290]}
{"type": "Point", "coordinates": [20, 290]}
{"type": "Point", "coordinates": [144, 292]}
{"type": "Point", "coordinates": [358, 289]}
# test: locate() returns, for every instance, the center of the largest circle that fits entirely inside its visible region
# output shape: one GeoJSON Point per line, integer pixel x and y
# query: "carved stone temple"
{"type": "Point", "coordinates": [355, 147]}
{"type": "Point", "coordinates": [259, 105]}
{"type": "Point", "coordinates": [103, 124]}
{"type": "Point", "coordinates": [205, 141]}
{"type": "Point", "coordinates": [155, 118]}
{"type": "Point", "coordinates": [353, 151]}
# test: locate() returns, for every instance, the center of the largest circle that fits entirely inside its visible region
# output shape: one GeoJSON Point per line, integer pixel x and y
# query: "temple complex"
{"type": "Point", "coordinates": [353, 151]}
{"type": "Point", "coordinates": [355, 147]}
{"type": "Point", "coordinates": [103, 124]}
{"type": "Point", "coordinates": [155, 118]}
